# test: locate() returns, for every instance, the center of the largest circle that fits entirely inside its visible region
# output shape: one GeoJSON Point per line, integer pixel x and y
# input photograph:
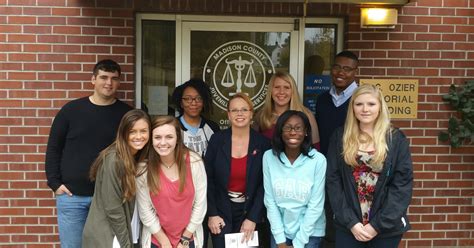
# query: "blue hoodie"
{"type": "Point", "coordinates": [294, 196]}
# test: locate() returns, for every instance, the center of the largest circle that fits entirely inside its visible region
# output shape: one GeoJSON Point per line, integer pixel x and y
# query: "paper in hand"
{"type": "Point", "coordinates": [233, 240]}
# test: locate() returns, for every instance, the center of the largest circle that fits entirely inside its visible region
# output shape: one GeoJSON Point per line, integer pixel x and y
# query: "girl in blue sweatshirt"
{"type": "Point", "coordinates": [294, 179]}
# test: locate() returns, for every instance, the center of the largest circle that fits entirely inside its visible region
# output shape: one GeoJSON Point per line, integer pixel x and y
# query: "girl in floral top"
{"type": "Point", "coordinates": [369, 176]}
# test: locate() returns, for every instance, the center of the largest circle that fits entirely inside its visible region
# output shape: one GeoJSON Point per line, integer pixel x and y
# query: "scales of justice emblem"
{"type": "Point", "coordinates": [235, 67]}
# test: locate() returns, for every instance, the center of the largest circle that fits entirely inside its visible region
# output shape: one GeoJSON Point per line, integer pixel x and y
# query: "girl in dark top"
{"type": "Point", "coordinates": [369, 178]}
{"type": "Point", "coordinates": [114, 171]}
{"type": "Point", "coordinates": [193, 102]}
{"type": "Point", "coordinates": [234, 170]}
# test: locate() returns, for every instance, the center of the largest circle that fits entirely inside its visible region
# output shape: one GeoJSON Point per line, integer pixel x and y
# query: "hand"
{"type": "Point", "coordinates": [360, 233]}
{"type": "Point", "coordinates": [162, 239]}
{"type": "Point", "coordinates": [370, 230]}
{"type": "Point", "coordinates": [247, 228]}
{"type": "Point", "coordinates": [63, 190]}
{"type": "Point", "coordinates": [181, 246]}
{"type": "Point", "coordinates": [216, 224]}
{"type": "Point", "coordinates": [282, 245]}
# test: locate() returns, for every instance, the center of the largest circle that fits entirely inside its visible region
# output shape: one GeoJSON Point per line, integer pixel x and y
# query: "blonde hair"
{"type": "Point", "coordinates": [244, 97]}
{"type": "Point", "coordinates": [353, 136]}
{"type": "Point", "coordinates": [264, 117]}
{"type": "Point", "coordinates": [154, 160]}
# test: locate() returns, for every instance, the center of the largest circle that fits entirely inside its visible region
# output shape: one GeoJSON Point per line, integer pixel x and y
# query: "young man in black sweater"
{"type": "Point", "coordinates": [80, 130]}
{"type": "Point", "coordinates": [331, 110]}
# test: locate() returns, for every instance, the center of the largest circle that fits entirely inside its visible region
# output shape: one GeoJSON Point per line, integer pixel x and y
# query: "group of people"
{"type": "Point", "coordinates": [341, 177]}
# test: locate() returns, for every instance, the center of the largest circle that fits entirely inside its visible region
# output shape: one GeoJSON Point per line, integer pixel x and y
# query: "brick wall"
{"type": "Point", "coordinates": [48, 48]}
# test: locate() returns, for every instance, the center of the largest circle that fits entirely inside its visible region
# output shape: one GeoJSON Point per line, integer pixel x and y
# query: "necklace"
{"type": "Point", "coordinates": [168, 166]}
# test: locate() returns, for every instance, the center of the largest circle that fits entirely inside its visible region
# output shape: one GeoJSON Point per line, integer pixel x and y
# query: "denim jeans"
{"type": "Point", "coordinates": [72, 215]}
{"type": "Point", "coordinates": [314, 242]}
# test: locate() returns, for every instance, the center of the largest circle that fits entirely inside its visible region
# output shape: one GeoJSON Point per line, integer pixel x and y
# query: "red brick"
{"type": "Point", "coordinates": [95, 31]}
{"type": "Point", "coordinates": [86, 21]}
{"type": "Point", "coordinates": [36, 48]}
{"type": "Point", "coordinates": [445, 243]}
{"type": "Point", "coordinates": [435, 184]}
{"type": "Point", "coordinates": [452, 72]}
{"type": "Point", "coordinates": [414, 45]}
{"type": "Point", "coordinates": [52, 3]}
{"type": "Point", "coordinates": [23, 38]}
{"type": "Point", "coordinates": [67, 48]}
{"type": "Point", "coordinates": [441, 45]}
{"type": "Point", "coordinates": [441, 29]}
{"type": "Point", "coordinates": [51, 38]}
{"type": "Point", "coordinates": [458, 3]}
{"type": "Point", "coordinates": [21, 20]}
{"type": "Point", "coordinates": [432, 235]}
{"type": "Point", "coordinates": [22, 75]}
{"type": "Point", "coordinates": [421, 20]}
{"type": "Point", "coordinates": [433, 218]}
{"type": "Point", "coordinates": [387, 45]}
{"type": "Point", "coordinates": [434, 201]}
{"type": "Point", "coordinates": [96, 49]}
{"type": "Point", "coordinates": [454, 37]}
{"type": "Point", "coordinates": [51, 76]}
{"type": "Point", "coordinates": [81, 40]}
{"type": "Point", "coordinates": [458, 234]}
{"type": "Point", "coordinates": [400, 54]}
{"type": "Point", "coordinates": [409, 10]}
{"type": "Point", "coordinates": [125, 32]}
{"type": "Point", "coordinates": [464, 29]}
{"type": "Point", "coordinates": [454, 20]}
{"type": "Point", "coordinates": [66, 30]}
{"type": "Point", "coordinates": [110, 40]}
{"type": "Point", "coordinates": [426, 72]}
{"type": "Point", "coordinates": [442, 12]}
{"type": "Point", "coordinates": [413, 63]}
{"type": "Point", "coordinates": [52, 20]}
{"type": "Point", "coordinates": [21, 57]}
{"type": "Point", "coordinates": [36, 29]}
{"type": "Point", "coordinates": [38, 103]}
{"type": "Point", "coordinates": [10, 29]}
{"type": "Point", "coordinates": [37, 66]}
{"type": "Point", "coordinates": [427, 54]}
{"type": "Point", "coordinates": [409, 28]}
{"type": "Point", "coordinates": [464, 46]}
{"type": "Point", "coordinates": [66, 11]}
{"type": "Point", "coordinates": [111, 22]}
{"type": "Point", "coordinates": [67, 67]}
{"type": "Point", "coordinates": [465, 12]}
{"type": "Point", "coordinates": [11, 10]}
{"type": "Point", "coordinates": [440, 63]}
{"type": "Point", "coordinates": [36, 11]}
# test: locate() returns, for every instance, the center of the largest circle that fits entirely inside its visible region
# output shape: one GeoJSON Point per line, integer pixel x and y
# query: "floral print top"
{"type": "Point", "coordinates": [365, 178]}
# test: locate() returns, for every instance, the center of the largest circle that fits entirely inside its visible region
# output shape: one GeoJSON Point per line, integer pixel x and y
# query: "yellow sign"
{"type": "Point", "coordinates": [401, 96]}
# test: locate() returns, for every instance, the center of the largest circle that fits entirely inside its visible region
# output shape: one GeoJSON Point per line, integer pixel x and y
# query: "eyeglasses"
{"type": "Point", "coordinates": [189, 99]}
{"type": "Point", "coordinates": [237, 111]}
{"type": "Point", "coordinates": [288, 129]}
{"type": "Point", "coordinates": [346, 69]}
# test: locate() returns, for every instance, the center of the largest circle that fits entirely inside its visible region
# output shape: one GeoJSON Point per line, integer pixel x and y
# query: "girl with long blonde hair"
{"type": "Point", "coordinates": [370, 176]}
{"type": "Point", "coordinates": [282, 95]}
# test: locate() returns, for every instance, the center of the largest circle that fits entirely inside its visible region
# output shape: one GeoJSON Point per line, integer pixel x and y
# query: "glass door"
{"type": "Point", "coordinates": [237, 57]}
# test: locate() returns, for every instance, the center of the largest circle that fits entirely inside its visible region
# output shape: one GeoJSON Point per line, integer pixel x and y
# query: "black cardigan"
{"type": "Point", "coordinates": [217, 160]}
{"type": "Point", "coordinates": [393, 190]}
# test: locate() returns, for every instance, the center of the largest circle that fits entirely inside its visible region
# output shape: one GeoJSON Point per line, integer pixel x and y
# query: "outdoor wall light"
{"type": "Point", "coordinates": [378, 17]}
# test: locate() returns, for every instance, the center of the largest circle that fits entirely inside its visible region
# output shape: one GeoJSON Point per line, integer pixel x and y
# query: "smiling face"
{"type": "Point", "coordinates": [293, 133]}
{"type": "Point", "coordinates": [138, 136]}
{"type": "Point", "coordinates": [191, 102]}
{"type": "Point", "coordinates": [105, 84]}
{"type": "Point", "coordinates": [164, 140]}
{"type": "Point", "coordinates": [366, 109]}
{"type": "Point", "coordinates": [239, 113]}
{"type": "Point", "coordinates": [343, 72]}
{"type": "Point", "coordinates": [281, 93]}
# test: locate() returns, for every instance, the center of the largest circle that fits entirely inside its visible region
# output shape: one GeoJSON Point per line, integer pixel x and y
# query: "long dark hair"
{"type": "Point", "coordinates": [278, 146]}
{"type": "Point", "coordinates": [126, 162]}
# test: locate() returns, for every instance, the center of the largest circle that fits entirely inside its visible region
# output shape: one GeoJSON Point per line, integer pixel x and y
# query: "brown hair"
{"type": "Point", "coordinates": [126, 162]}
{"type": "Point", "coordinates": [154, 160]}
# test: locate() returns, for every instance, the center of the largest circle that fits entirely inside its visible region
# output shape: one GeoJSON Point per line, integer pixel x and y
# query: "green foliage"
{"type": "Point", "coordinates": [460, 129]}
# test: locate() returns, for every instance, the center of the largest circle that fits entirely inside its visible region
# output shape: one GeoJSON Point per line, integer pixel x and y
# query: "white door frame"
{"type": "Point", "coordinates": [186, 23]}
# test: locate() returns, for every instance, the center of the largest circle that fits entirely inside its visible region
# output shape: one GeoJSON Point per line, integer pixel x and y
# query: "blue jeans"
{"type": "Point", "coordinates": [72, 215]}
{"type": "Point", "coordinates": [314, 242]}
